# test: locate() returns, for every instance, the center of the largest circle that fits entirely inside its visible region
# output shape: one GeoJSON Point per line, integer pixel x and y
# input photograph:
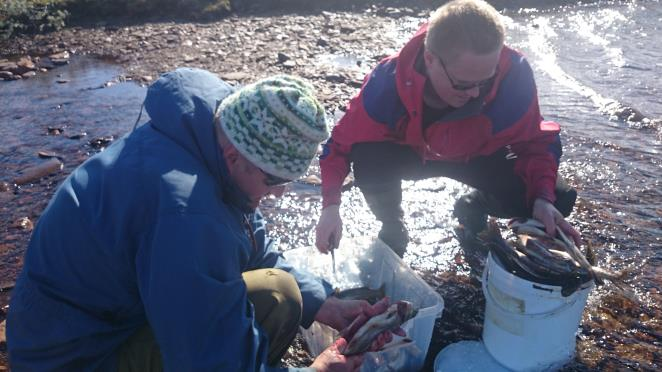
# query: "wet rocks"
{"type": "Point", "coordinates": [78, 136]}
{"type": "Point", "coordinates": [46, 63]}
{"type": "Point", "coordinates": [101, 142]}
{"type": "Point", "coordinates": [59, 59]}
{"type": "Point", "coordinates": [54, 131]}
{"type": "Point", "coordinates": [23, 68]}
{"type": "Point", "coordinates": [24, 223]}
{"type": "Point", "coordinates": [239, 49]}
{"type": "Point", "coordinates": [27, 66]}
{"type": "Point", "coordinates": [47, 155]}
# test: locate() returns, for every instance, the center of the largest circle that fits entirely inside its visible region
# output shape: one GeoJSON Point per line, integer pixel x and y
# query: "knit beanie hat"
{"type": "Point", "coordinates": [276, 123]}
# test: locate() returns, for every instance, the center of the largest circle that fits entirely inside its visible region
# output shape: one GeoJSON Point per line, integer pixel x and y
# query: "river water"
{"type": "Point", "coordinates": [592, 63]}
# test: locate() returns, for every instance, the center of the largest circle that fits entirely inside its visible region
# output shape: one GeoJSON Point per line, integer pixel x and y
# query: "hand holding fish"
{"type": "Point", "coordinates": [373, 329]}
{"type": "Point", "coordinates": [338, 313]}
{"type": "Point", "coordinates": [333, 360]}
{"type": "Point", "coordinates": [546, 212]}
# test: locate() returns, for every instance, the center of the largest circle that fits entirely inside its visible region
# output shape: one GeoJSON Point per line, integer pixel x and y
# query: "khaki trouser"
{"type": "Point", "coordinates": [278, 305]}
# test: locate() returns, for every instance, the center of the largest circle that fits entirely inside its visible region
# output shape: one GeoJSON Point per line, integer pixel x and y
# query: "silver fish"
{"type": "Point", "coordinates": [396, 315]}
{"type": "Point", "coordinates": [563, 251]}
{"type": "Point", "coordinates": [361, 293]}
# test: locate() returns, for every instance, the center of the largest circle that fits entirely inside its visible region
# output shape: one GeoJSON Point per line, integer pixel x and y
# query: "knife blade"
{"type": "Point", "coordinates": [333, 244]}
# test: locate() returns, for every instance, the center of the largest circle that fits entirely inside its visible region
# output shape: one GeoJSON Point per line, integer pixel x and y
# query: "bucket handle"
{"type": "Point", "coordinates": [487, 293]}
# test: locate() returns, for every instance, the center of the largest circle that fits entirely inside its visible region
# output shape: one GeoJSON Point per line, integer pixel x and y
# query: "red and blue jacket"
{"type": "Point", "coordinates": [389, 107]}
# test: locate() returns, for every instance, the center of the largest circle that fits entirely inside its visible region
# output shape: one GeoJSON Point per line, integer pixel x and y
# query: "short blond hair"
{"type": "Point", "coordinates": [464, 25]}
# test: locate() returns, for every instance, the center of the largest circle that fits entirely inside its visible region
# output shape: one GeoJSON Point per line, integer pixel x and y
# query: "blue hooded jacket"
{"type": "Point", "coordinates": [151, 230]}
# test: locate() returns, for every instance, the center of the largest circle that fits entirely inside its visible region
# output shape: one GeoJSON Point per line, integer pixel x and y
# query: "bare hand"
{"type": "Point", "coordinates": [328, 227]}
{"type": "Point", "coordinates": [545, 212]}
{"type": "Point", "coordinates": [339, 314]}
{"type": "Point", "coordinates": [332, 359]}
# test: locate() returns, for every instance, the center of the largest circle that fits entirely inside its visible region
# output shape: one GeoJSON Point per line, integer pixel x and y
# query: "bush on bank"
{"type": "Point", "coordinates": [27, 16]}
{"type": "Point", "coordinates": [30, 16]}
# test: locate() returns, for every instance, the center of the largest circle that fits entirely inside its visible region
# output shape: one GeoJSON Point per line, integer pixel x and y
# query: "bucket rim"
{"type": "Point", "coordinates": [534, 285]}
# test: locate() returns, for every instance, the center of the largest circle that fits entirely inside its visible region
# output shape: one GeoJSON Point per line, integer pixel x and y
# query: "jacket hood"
{"type": "Point", "coordinates": [181, 105]}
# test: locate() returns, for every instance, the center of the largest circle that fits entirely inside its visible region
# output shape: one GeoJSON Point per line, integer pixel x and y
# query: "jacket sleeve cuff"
{"type": "Point", "coordinates": [313, 300]}
{"type": "Point", "coordinates": [331, 197]}
{"type": "Point", "coordinates": [545, 190]}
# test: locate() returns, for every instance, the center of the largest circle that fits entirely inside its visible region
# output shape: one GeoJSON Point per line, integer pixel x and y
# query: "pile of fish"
{"type": "Point", "coordinates": [364, 331]}
{"type": "Point", "coordinates": [533, 255]}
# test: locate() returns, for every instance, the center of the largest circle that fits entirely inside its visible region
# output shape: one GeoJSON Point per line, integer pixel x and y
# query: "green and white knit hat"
{"type": "Point", "coordinates": [276, 123]}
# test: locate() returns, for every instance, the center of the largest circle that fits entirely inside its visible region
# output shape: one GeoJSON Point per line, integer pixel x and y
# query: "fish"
{"type": "Point", "coordinates": [559, 254]}
{"type": "Point", "coordinates": [395, 316]}
{"type": "Point", "coordinates": [361, 293]}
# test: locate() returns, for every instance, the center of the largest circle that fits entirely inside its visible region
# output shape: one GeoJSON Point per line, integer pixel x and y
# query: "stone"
{"type": "Point", "coordinates": [101, 142]}
{"type": "Point", "coordinates": [29, 74]}
{"type": "Point", "coordinates": [24, 65]}
{"type": "Point", "coordinates": [78, 135]}
{"type": "Point", "coordinates": [61, 55]}
{"type": "Point", "coordinates": [289, 64]}
{"type": "Point", "coordinates": [59, 59]}
{"type": "Point", "coordinates": [282, 57]}
{"type": "Point", "coordinates": [47, 154]}
{"type": "Point", "coordinates": [6, 75]}
{"type": "Point", "coordinates": [335, 78]}
{"type": "Point", "coordinates": [46, 63]}
{"type": "Point", "coordinates": [8, 66]}
{"type": "Point", "coordinates": [39, 171]}
{"type": "Point", "coordinates": [24, 223]}
{"type": "Point", "coordinates": [235, 76]}
{"type": "Point", "coordinates": [54, 131]}
{"type": "Point", "coordinates": [347, 30]}
{"type": "Point", "coordinates": [59, 62]}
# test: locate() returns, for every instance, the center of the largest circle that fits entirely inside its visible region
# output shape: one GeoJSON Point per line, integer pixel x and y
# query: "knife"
{"type": "Point", "coordinates": [333, 244]}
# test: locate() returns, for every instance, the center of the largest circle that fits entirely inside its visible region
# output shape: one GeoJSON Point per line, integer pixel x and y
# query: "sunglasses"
{"type": "Point", "coordinates": [468, 86]}
{"type": "Point", "coordinates": [272, 181]}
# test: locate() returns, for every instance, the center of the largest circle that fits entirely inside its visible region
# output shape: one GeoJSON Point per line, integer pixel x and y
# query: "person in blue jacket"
{"type": "Point", "coordinates": [153, 255]}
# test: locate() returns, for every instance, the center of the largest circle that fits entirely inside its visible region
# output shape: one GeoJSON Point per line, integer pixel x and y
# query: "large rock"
{"type": "Point", "coordinates": [24, 65]}
{"type": "Point", "coordinates": [46, 63]}
{"type": "Point", "coordinates": [8, 66]}
{"type": "Point", "coordinates": [59, 59]}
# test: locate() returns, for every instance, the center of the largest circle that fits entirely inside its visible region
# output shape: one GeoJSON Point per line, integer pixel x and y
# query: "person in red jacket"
{"type": "Point", "coordinates": [453, 102]}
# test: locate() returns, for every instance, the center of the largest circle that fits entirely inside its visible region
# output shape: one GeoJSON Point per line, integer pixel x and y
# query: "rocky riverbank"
{"type": "Point", "coordinates": [333, 50]}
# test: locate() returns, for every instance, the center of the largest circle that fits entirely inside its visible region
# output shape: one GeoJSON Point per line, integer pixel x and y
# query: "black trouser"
{"type": "Point", "coordinates": [379, 168]}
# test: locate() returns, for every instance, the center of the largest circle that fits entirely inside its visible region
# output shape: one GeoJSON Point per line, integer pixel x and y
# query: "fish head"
{"type": "Point", "coordinates": [544, 242]}
{"type": "Point", "coordinates": [406, 310]}
{"type": "Point", "coordinates": [528, 226]}
{"type": "Point", "coordinates": [516, 223]}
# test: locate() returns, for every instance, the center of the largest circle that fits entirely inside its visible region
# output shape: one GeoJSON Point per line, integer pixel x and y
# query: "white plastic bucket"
{"type": "Point", "coordinates": [529, 326]}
